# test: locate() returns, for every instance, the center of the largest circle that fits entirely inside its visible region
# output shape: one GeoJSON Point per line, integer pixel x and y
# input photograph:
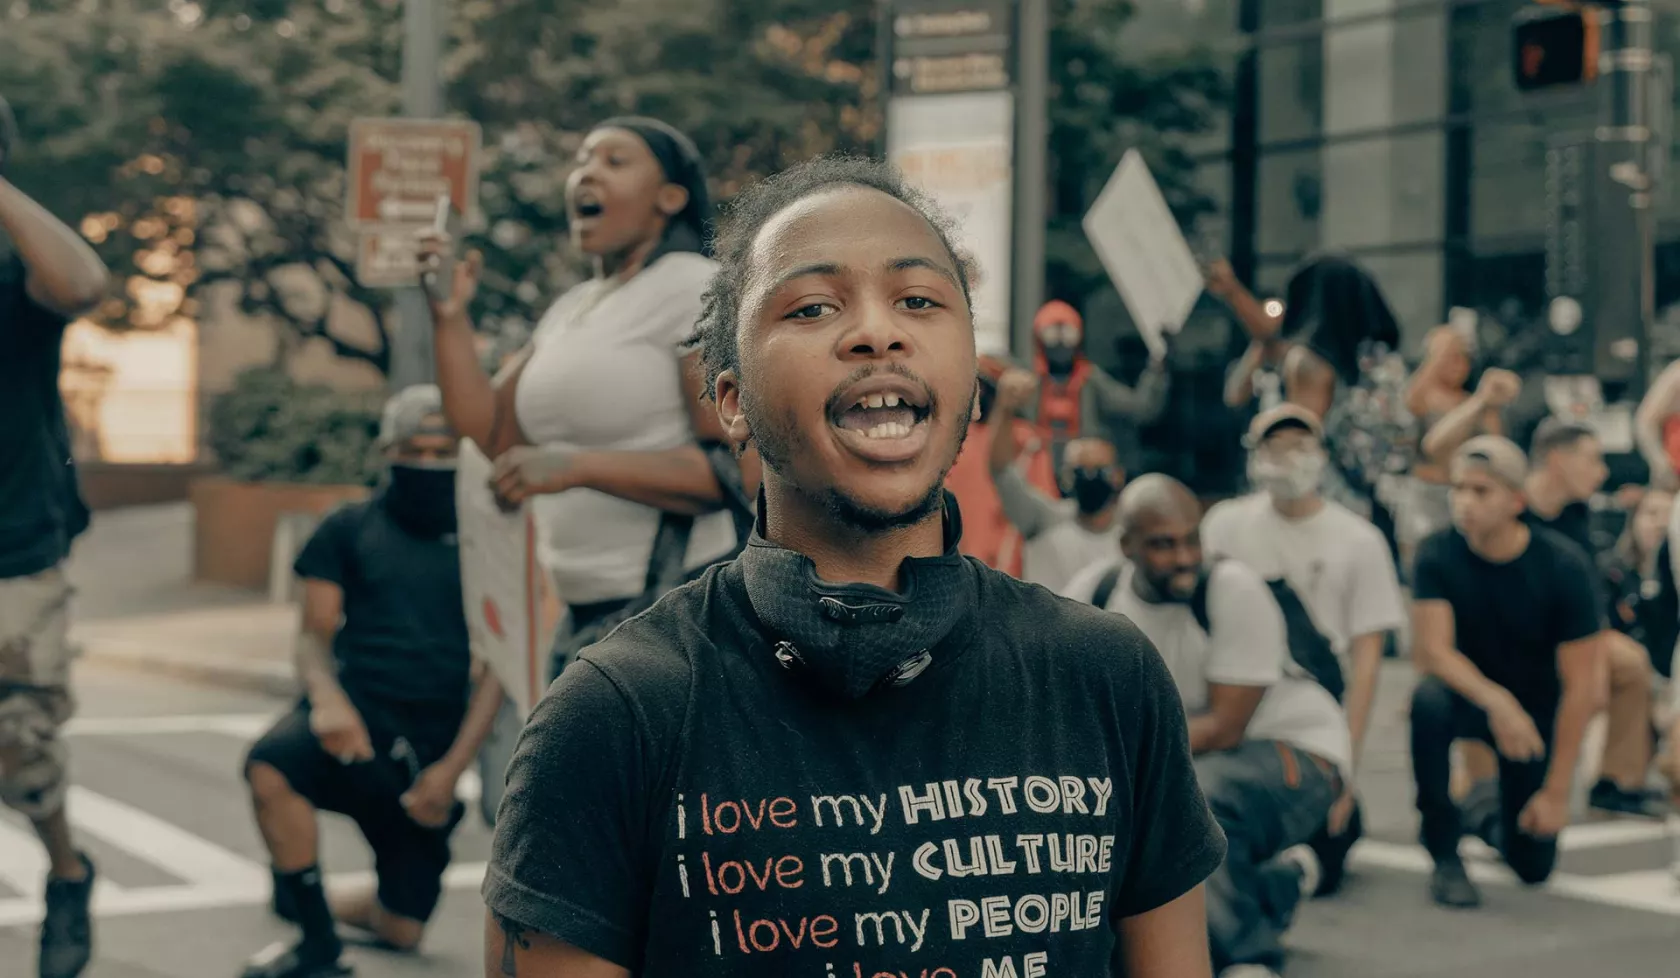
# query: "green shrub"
{"type": "Point", "coordinates": [269, 428]}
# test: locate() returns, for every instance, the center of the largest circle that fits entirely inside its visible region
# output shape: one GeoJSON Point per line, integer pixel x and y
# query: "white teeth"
{"type": "Point", "coordinates": [889, 429]}
{"type": "Point", "coordinates": [891, 400]}
{"type": "Point", "coordinates": [874, 401]}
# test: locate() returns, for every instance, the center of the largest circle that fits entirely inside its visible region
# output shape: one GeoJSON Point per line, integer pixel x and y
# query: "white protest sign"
{"type": "Point", "coordinates": [1144, 251]}
{"type": "Point", "coordinates": [501, 585]}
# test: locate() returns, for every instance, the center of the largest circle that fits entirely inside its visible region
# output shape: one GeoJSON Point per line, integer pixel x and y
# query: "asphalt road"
{"type": "Point", "coordinates": [160, 807]}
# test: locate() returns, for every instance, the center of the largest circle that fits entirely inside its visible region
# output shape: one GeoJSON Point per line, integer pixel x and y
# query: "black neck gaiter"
{"type": "Point", "coordinates": [849, 639]}
{"type": "Point", "coordinates": [421, 499]}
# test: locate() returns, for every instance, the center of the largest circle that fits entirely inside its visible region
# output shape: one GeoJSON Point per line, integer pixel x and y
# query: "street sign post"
{"type": "Point", "coordinates": [1144, 251]}
{"type": "Point", "coordinates": [385, 257]}
{"type": "Point", "coordinates": [399, 167]}
{"type": "Point", "coordinates": [951, 129]}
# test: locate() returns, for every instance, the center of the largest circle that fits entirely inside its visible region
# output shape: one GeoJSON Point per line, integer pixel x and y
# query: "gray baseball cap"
{"type": "Point", "coordinates": [411, 413]}
{"type": "Point", "coordinates": [1497, 456]}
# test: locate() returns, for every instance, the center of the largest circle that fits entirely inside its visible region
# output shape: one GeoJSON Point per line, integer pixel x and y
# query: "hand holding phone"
{"type": "Point", "coordinates": [437, 264]}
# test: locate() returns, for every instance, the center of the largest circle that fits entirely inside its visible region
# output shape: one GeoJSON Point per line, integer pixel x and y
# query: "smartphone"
{"type": "Point", "coordinates": [438, 281]}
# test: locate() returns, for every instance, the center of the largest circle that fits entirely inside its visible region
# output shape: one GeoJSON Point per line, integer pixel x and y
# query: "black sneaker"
{"type": "Point", "coordinates": [67, 930]}
{"type": "Point", "coordinates": [298, 961]}
{"type": "Point", "coordinates": [1608, 796]}
{"type": "Point", "coordinates": [1450, 885]}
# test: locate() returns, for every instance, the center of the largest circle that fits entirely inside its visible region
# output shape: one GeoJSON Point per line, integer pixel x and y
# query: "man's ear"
{"type": "Point", "coordinates": [671, 200]}
{"type": "Point", "coordinates": [733, 419]}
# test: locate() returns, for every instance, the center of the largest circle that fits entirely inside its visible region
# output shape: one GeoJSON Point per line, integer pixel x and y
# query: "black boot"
{"type": "Point", "coordinates": [316, 956]}
{"type": "Point", "coordinates": [67, 930]}
{"type": "Point", "coordinates": [1450, 885]}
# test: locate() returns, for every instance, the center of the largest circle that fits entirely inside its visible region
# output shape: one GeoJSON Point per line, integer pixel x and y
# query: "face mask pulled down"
{"type": "Point", "coordinates": [421, 498]}
{"type": "Point", "coordinates": [849, 639]}
{"type": "Point", "coordinates": [1287, 479]}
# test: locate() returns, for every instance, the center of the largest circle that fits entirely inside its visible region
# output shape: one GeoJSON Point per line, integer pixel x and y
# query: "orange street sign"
{"type": "Point", "coordinates": [399, 167]}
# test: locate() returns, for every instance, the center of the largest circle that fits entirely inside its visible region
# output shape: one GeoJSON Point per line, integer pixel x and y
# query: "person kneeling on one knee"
{"type": "Point", "coordinates": [395, 708]}
{"type": "Point", "coordinates": [1507, 633]}
{"type": "Point", "coordinates": [1270, 743]}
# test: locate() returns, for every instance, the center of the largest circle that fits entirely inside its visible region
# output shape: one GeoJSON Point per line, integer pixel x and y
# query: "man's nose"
{"type": "Point", "coordinates": [875, 333]}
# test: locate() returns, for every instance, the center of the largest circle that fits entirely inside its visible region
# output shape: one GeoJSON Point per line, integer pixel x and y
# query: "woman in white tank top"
{"type": "Point", "coordinates": [599, 420]}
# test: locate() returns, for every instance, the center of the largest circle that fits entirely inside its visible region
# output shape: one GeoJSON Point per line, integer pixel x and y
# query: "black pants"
{"type": "Point", "coordinates": [1441, 716]}
{"type": "Point", "coordinates": [409, 858]}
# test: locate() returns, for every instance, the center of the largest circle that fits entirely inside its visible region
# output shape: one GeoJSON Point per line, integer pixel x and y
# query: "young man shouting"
{"type": "Point", "coordinates": [852, 750]}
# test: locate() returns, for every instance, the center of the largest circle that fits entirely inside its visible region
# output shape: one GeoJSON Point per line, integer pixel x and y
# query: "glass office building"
{"type": "Point", "coordinates": [1389, 130]}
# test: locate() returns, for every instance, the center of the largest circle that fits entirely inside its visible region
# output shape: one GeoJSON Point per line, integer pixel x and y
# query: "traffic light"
{"type": "Point", "coordinates": [1557, 45]}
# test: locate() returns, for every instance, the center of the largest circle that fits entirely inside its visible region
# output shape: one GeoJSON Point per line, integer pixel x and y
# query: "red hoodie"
{"type": "Point", "coordinates": [987, 534]}
{"type": "Point", "coordinates": [1059, 400]}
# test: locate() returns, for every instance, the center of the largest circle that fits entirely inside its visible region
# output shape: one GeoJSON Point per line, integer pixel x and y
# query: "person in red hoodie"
{"type": "Point", "coordinates": [988, 535]}
{"type": "Point", "coordinates": [1077, 397]}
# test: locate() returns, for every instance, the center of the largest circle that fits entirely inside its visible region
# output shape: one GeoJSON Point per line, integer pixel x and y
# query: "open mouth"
{"type": "Point", "coordinates": [882, 416]}
{"type": "Point", "coordinates": [587, 205]}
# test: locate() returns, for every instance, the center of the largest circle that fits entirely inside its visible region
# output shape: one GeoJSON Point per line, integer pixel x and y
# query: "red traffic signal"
{"type": "Point", "coordinates": [1555, 46]}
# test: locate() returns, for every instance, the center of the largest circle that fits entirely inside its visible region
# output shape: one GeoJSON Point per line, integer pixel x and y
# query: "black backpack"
{"type": "Point", "coordinates": [1663, 614]}
{"type": "Point", "coordinates": [1307, 645]}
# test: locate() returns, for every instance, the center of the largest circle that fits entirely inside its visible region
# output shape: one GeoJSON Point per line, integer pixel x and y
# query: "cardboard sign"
{"type": "Point", "coordinates": [1144, 251]}
{"type": "Point", "coordinates": [501, 584]}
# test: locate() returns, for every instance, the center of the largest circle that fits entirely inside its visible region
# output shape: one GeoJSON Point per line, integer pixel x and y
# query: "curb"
{"type": "Point", "coordinates": [272, 679]}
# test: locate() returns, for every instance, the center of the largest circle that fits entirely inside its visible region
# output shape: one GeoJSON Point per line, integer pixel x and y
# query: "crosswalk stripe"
{"type": "Point", "coordinates": [243, 725]}
{"type": "Point", "coordinates": [1601, 835]}
{"type": "Point", "coordinates": [1653, 891]}
{"type": "Point", "coordinates": [23, 863]}
{"type": "Point", "coordinates": [163, 844]}
{"type": "Point", "coordinates": [116, 902]}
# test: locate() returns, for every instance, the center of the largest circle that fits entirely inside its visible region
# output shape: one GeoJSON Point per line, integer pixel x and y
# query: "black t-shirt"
{"type": "Point", "coordinates": [1573, 522]}
{"type": "Point", "coordinates": [681, 805]}
{"type": "Point", "coordinates": [1510, 618]}
{"type": "Point", "coordinates": [404, 636]}
{"type": "Point", "coordinates": [41, 509]}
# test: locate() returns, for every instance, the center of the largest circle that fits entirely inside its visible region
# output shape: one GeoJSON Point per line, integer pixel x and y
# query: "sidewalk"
{"type": "Point", "coordinates": [137, 605]}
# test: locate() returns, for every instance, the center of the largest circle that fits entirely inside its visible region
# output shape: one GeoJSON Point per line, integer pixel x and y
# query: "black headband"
{"type": "Point", "coordinates": [690, 228]}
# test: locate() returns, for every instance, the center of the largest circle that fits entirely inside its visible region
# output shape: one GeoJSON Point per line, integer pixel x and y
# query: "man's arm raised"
{"type": "Point", "coordinates": [64, 275]}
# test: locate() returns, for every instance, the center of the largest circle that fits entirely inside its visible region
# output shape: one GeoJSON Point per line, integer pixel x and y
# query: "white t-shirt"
{"type": "Point", "coordinates": [605, 375]}
{"type": "Point", "coordinates": [1336, 562]}
{"type": "Point", "coordinates": [1244, 646]}
{"type": "Point", "coordinates": [1056, 545]}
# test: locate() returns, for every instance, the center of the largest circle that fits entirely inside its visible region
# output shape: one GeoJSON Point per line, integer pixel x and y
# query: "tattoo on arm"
{"type": "Point", "coordinates": [513, 933]}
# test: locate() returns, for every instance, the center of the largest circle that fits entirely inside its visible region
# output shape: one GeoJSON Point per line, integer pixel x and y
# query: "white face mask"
{"type": "Point", "coordinates": [1295, 476]}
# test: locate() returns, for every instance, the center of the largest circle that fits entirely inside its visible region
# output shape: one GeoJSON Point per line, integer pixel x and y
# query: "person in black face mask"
{"type": "Point", "coordinates": [395, 707]}
{"type": "Point", "coordinates": [1077, 398]}
{"type": "Point", "coordinates": [1063, 536]}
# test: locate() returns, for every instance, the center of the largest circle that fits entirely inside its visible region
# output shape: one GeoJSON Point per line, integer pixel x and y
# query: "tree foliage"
{"type": "Point", "coordinates": [203, 142]}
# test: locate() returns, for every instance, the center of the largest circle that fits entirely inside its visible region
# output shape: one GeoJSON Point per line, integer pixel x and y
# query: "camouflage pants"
{"type": "Point", "coordinates": [35, 700]}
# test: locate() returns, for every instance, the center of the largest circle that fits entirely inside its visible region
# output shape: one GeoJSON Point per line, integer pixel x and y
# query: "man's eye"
{"type": "Point", "coordinates": [918, 303]}
{"type": "Point", "coordinates": [812, 311]}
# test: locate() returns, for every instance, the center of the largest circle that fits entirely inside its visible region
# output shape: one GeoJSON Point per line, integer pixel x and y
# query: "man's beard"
{"type": "Point", "coordinates": [780, 441]}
